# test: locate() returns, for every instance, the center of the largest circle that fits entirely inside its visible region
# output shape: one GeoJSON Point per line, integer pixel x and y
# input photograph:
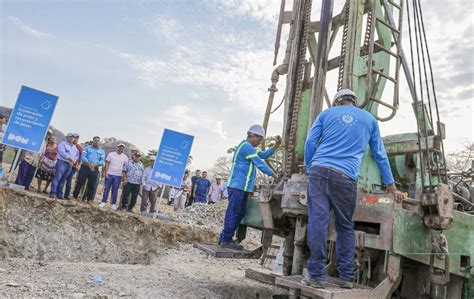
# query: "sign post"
{"type": "Point", "coordinates": [172, 158]}
{"type": "Point", "coordinates": [29, 121]}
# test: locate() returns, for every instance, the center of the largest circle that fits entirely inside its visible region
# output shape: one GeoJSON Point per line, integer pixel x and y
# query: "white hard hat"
{"type": "Point", "coordinates": [345, 92]}
{"type": "Point", "coordinates": [256, 130]}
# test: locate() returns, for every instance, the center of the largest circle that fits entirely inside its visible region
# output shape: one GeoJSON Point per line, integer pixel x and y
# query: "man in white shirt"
{"type": "Point", "coordinates": [150, 190]}
{"type": "Point", "coordinates": [216, 193]}
{"type": "Point", "coordinates": [114, 164]}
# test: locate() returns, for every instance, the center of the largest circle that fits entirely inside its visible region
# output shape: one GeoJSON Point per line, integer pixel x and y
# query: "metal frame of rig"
{"type": "Point", "coordinates": [402, 248]}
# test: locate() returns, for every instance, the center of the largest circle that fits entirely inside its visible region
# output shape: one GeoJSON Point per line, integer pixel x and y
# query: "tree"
{"type": "Point", "coordinates": [461, 160]}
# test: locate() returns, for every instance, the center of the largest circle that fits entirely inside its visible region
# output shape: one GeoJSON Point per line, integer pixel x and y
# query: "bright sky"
{"type": "Point", "coordinates": [129, 69]}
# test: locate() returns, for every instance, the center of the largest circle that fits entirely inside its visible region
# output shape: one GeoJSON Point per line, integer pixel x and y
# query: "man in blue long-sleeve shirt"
{"type": "Point", "coordinates": [333, 153]}
{"type": "Point", "coordinates": [241, 181]}
{"type": "Point", "coordinates": [92, 158]}
{"type": "Point", "coordinates": [67, 156]}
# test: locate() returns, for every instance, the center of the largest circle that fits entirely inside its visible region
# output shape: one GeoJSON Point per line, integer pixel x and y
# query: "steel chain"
{"type": "Point", "coordinates": [298, 89]}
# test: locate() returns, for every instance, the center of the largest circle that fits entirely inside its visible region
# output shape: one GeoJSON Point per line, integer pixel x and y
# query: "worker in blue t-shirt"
{"type": "Point", "coordinates": [201, 188]}
{"type": "Point", "coordinates": [241, 181]}
{"type": "Point", "coordinates": [334, 149]}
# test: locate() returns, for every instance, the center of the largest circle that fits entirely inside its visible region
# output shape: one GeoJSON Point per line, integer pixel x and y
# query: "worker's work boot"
{"type": "Point", "coordinates": [311, 282]}
{"type": "Point", "coordinates": [231, 245]}
{"type": "Point", "coordinates": [346, 284]}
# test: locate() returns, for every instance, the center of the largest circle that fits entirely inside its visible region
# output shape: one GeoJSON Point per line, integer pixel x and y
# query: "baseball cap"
{"type": "Point", "coordinates": [121, 145]}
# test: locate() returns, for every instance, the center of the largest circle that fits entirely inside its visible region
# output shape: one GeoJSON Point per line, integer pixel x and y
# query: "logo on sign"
{"type": "Point", "coordinates": [163, 176]}
{"type": "Point", "coordinates": [46, 105]}
{"type": "Point", "coordinates": [19, 139]}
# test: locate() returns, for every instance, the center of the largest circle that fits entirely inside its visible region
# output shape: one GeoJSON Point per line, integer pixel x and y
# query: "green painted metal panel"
{"type": "Point", "coordinates": [412, 239]}
{"type": "Point", "coordinates": [253, 215]}
{"type": "Point", "coordinates": [303, 123]}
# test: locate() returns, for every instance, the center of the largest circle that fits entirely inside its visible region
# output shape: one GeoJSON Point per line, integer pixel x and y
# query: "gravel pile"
{"type": "Point", "coordinates": [203, 215]}
{"type": "Point", "coordinates": [211, 217]}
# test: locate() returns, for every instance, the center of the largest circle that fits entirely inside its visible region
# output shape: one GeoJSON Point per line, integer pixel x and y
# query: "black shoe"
{"type": "Point", "coordinates": [345, 284]}
{"type": "Point", "coordinates": [59, 197]}
{"type": "Point", "coordinates": [66, 197]}
{"type": "Point", "coordinates": [52, 195]}
{"type": "Point", "coordinates": [231, 245]}
{"type": "Point", "coordinates": [311, 282]}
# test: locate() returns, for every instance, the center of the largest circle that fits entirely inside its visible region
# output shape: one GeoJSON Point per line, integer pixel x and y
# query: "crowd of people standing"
{"type": "Point", "coordinates": [58, 165]}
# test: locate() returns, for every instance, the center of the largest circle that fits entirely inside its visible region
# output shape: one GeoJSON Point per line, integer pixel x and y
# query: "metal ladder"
{"type": "Point", "coordinates": [373, 46]}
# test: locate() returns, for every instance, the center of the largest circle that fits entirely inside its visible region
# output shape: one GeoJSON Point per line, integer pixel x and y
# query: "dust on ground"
{"type": "Point", "coordinates": [180, 273]}
{"type": "Point", "coordinates": [45, 255]}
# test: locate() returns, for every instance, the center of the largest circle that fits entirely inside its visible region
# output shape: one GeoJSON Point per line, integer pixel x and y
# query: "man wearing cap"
{"type": "Point", "coordinates": [92, 158]}
{"type": "Point", "coordinates": [242, 179]}
{"type": "Point", "coordinates": [67, 157]}
{"type": "Point", "coordinates": [114, 164]}
{"type": "Point", "coordinates": [334, 149]}
{"type": "Point", "coordinates": [133, 174]}
{"type": "Point", "coordinates": [74, 169]}
{"type": "Point", "coordinates": [150, 189]}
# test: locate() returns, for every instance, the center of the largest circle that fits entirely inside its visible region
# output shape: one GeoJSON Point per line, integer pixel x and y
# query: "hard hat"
{"type": "Point", "coordinates": [256, 130]}
{"type": "Point", "coordinates": [345, 92]}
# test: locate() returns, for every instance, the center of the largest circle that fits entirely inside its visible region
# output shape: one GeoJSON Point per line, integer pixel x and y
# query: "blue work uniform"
{"type": "Point", "coordinates": [240, 183]}
{"type": "Point", "coordinates": [334, 150]}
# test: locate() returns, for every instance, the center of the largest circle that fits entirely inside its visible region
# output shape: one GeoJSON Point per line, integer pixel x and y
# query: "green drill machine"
{"type": "Point", "coordinates": [420, 248]}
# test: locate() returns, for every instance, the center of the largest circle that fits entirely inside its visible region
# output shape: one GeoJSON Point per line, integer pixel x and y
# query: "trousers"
{"type": "Point", "coordinates": [331, 190]}
{"type": "Point", "coordinates": [63, 169]}
{"type": "Point", "coordinates": [234, 214]}
{"type": "Point", "coordinates": [26, 173]}
{"type": "Point", "coordinates": [86, 174]}
{"type": "Point", "coordinates": [149, 196]}
{"type": "Point", "coordinates": [133, 190]}
{"type": "Point", "coordinates": [67, 192]}
{"type": "Point", "coordinates": [111, 182]}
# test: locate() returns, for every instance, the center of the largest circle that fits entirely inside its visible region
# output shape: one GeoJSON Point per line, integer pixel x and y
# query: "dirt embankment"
{"type": "Point", "coordinates": [45, 229]}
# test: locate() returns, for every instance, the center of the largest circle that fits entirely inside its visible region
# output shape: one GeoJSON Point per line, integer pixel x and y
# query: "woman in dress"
{"type": "Point", "coordinates": [47, 164]}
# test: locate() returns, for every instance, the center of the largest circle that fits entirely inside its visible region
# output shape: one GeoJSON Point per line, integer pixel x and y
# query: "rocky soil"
{"type": "Point", "coordinates": [51, 248]}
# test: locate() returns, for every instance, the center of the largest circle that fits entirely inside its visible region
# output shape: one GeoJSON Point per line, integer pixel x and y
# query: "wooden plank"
{"type": "Point", "coordinates": [219, 252]}
{"type": "Point", "coordinates": [331, 290]}
{"type": "Point", "coordinates": [268, 278]}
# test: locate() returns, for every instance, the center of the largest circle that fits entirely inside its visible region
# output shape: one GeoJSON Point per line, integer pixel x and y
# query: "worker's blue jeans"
{"type": "Point", "coordinates": [234, 214]}
{"type": "Point", "coordinates": [63, 169]}
{"type": "Point", "coordinates": [330, 190]}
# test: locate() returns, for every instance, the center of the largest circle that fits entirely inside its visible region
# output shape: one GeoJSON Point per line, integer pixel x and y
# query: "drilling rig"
{"type": "Point", "coordinates": [420, 248]}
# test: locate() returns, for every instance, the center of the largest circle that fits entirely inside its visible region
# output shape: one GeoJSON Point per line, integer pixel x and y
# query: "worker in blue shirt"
{"type": "Point", "coordinates": [334, 149]}
{"type": "Point", "coordinates": [92, 158]}
{"type": "Point", "coordinates": [242, 179]}
{"type": "Point", "coordinates": [201, 188]}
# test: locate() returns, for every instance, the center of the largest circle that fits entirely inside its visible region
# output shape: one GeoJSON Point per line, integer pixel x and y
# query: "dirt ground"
{"type": "Point", "coordinates": [181, 273]}
{"type": "Point", "coordinates": [53, 248]}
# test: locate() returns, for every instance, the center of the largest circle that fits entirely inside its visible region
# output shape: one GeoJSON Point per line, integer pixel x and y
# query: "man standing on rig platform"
{"type": "Point", "coordinates": [242, 179]}
{"type": "Point", "coordinates": [333, 154]}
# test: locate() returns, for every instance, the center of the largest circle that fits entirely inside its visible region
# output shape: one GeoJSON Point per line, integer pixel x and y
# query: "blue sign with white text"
{"type": "Point", "coordinates": [172, 158]}
{"type": "Point", "coordinates": [30, 118]}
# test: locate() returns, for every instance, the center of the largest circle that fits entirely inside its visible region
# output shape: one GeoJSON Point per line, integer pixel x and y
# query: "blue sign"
{"type": "Point", "coordinates": [172, 158]}
{"type": "Point", "coordinates": [29, 121]}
